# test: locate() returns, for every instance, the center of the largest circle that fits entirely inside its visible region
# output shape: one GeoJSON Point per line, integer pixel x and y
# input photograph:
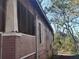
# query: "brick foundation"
{"type": "Point", "coordinates": [15, 46]}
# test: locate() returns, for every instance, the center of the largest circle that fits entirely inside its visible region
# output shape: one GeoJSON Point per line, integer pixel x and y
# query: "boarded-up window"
{"type": "Point", "coordinates": [2, 15]}
{"type": "Point", "coordinates": [25, 20]}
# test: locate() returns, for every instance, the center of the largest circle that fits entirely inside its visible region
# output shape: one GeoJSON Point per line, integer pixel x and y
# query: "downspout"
{"type": "Point", "coordinates": [36, 38]}
{"type": "Point", "coordinates": [37, 50]}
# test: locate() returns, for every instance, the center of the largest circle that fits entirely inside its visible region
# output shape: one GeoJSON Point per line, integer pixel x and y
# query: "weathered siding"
{"type": "Point", "coordinates": [47, 37]}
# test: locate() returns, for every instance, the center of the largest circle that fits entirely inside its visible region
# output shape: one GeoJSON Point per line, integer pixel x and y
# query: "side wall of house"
{"type": "Point", "coordinates": [22, 46]}
{"type": "Point", "coordinates": [44, 47]}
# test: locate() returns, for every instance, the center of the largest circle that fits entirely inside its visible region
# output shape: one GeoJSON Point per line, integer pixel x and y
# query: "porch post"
{"type": "Point", "coordinates": [11, 16]}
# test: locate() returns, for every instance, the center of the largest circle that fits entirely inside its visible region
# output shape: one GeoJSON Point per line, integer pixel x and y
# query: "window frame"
{"type": "Point", "coordinates": [40, 37]}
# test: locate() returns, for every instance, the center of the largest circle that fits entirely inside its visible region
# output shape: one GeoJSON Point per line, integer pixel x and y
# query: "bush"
{"type": "Point", "coordinates": [64, 43]}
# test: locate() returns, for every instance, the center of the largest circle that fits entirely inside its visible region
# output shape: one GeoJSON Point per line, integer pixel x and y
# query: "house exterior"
{"type": "Point", "coordinates": [25, 32]}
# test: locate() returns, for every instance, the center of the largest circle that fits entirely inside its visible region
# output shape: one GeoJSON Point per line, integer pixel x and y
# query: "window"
{"type": "Point", "coordinates": [39, 32]}
{"type": "Point", "coordinates": [2, 15]}
{"type": "Point", "coordinates": [25, 20]}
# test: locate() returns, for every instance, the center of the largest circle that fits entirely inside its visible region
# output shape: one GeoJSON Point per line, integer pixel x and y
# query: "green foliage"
{"type": "Point", "coordinates": [64, 43]}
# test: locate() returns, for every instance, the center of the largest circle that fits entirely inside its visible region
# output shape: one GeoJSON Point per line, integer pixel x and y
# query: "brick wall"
{"type": "Point", "coordinates": [8, 50]}
{"type": "Point", "coordinates": [25, 45]}
{"type": "Point", "coordinates": [16, 47]}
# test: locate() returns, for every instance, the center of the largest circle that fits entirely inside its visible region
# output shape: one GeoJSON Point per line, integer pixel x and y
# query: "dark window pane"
{"type": "Point", "coordinates": [25, 20]}
{"type": "Point", "coordinates": [2, 15]}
